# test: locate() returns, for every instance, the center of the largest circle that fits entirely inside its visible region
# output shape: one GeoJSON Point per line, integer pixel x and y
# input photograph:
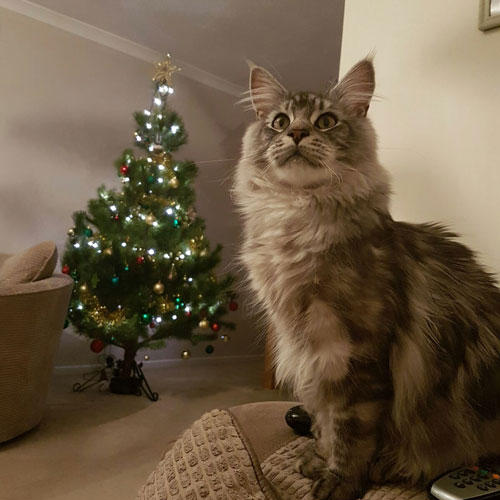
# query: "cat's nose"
{"type": "Point", "coordinates": [298, 134]}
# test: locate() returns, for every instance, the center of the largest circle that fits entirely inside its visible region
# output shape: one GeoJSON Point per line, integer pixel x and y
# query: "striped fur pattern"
{"type": "Point", "coordinates": [388, 332]}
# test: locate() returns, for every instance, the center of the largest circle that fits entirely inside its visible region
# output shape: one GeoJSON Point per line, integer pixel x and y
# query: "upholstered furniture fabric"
{"type": "Point", "coordinates": [246, 452]}
{"type": "Point", "coordinates": [34, 264]}
{"type": "Point", "coordinates": [32, 316]}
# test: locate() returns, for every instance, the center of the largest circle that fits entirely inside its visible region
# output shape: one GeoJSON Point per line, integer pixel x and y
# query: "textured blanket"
{"type": "Point", "coordinates": [214, 460]}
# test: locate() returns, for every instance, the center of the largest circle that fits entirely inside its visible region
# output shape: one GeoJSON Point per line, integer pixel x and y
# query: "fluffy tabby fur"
{"type": "Point", "coordinates": [388, 332]}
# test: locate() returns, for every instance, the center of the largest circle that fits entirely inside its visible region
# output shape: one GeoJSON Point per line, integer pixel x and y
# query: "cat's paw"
{"type": "Point", "coordinates": [310, 464]}
{"type": "Point", "coordinates": [382, 471]}
{"type": "Point", "coordinates": [332, 487]}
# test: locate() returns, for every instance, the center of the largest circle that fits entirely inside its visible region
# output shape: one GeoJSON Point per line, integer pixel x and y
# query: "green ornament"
{"type": "Point", "coordinates": [146, 318]}
{"type": "Point", "coordinates": [176, 222]}
{"type": "Point", "coordinates": [115, 280]}
{"type": "Point", "coordinates": [88, 232]}
{"type": "Point", "coordinates": [209, 349]}
{"type": "Point", "coordinates": [151, 179]}
{"type": "Point", "coordinates": [74, 275]}
{"type": "Point", "coordinates": [126, 268]}
{"type": "Point", "coordinates": [178, 299]}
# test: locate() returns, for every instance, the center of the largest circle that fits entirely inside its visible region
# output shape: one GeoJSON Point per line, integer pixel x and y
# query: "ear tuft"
{"type": "Point", "coordinates": [355, 90]}
{"type": "Point", "coordinates": [265, 90]}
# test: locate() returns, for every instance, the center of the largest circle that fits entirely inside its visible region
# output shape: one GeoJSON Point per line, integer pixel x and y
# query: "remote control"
{"type": "Point", "coordinates": [477, 482]}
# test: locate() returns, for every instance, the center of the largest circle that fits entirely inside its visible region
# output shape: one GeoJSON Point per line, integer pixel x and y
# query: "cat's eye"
{"type": "Point", "coordinates": [280, 122]}
{"type": "Point", "coordinates": [326, 121]}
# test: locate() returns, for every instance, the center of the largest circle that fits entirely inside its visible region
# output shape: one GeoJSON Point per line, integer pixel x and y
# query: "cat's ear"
{"type": "Point", "coordinates": [265, 90]}
{"type": "Point", "coordinates": [355, 90]}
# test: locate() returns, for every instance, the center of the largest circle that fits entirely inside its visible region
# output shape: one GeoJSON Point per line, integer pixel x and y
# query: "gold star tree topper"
{"type": "Point", "coordinates": [164, 71]}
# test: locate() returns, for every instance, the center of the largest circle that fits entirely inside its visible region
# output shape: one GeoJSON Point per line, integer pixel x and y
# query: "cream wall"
{"type": "Point", "coordinates": [66, 106]}
{"type": "Point", "coordinates": [438, 116]}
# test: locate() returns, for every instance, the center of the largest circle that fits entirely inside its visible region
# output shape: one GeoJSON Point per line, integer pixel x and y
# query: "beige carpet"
{"type": "Point", "coordinates": [93, 446]}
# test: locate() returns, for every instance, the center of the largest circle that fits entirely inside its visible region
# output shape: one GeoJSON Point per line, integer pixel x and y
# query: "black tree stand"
{"type": "Point", "coordinates": [111, 375]}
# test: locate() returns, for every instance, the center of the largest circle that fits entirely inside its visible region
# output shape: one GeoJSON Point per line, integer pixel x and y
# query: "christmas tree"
{"type": "Point", "coordinates": [143, 269]}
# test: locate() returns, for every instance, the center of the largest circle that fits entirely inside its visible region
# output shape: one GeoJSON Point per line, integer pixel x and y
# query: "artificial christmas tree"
{"type": "Point", "coordinates": [142, 266]}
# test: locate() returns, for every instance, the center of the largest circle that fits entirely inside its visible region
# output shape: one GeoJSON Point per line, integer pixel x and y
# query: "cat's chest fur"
{"type": "Point", "coordinates": [287, 251]}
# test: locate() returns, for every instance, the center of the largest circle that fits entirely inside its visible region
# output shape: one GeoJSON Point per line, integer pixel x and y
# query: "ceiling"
{"type": "Point", "coordinates": [299, 40]}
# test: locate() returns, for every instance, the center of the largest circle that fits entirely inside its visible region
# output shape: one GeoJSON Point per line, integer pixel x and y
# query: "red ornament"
{"type": "Point", "coordinates": [233, 305]}
{"type": "Point", "coordinates": [188, 314]}
{"type": "Point", "coordinates": [124, 169]}
{"type": "Point", "coordinates": [65, 269]}
{"type": "Point", "coordinates": [140, 260]}
{"type": "Point", "coordinates": [116, 217]}
{"type": "Point", "coordinates": [215, 327]}
{"type": "Point", "coordinates": [96, 345]}
{"type": "Point", "coordinates": [152, 325]}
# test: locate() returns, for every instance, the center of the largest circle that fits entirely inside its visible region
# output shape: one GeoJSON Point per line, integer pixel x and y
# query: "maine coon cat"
{"type": "Point", "coordinates": [388, 332]}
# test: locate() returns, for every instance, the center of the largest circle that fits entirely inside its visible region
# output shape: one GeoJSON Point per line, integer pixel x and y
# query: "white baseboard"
{"type": "Point", "coordinates": [167, 362]}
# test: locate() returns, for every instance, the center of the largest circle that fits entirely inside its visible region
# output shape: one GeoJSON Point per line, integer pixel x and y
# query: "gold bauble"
{"type": "Point", "coordinates": [159, 288]}
{"type": "Point", "coordinates": [185, 355]}
{"type": "Point", "coordinates": [225, 338]}
{"type": "Point", "coordinates": [150, 219]}
{"type": "Point", "coordinates": [71, 231]}
{"type": "Point", "coordinates": [204, 323]}
{"type": "Point", "coordinates": [174, 182]}
{"type": "Point", "coordinates": [108, 251]}
{"type": "Point", "coordinates": [203, 253]}
{"type": "Point", "coordinates": [83, 288]}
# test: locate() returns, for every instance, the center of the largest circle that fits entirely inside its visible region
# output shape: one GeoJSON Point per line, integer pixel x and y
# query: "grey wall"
{"type": "Point", "coordinates": [66, 116]}
{"type": "Point", "coordinates": [67, 106]}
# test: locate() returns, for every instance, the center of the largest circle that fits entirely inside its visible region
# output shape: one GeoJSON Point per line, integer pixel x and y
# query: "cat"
{"type": "Point", "coordinates": [388, 332]}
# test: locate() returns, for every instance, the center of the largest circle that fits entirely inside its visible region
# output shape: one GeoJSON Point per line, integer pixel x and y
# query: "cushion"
{"type": "Point", "coordinates": [34, 264]}
{"type": "Point", "coordinates": [224, 456]}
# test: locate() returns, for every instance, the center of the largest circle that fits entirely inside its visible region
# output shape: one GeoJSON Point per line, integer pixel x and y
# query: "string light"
{"type": "Point", "coordinates": [77, 245]}
{"type": "Point", "coordinates": [113, 208]}
{"type": "Point", "coordinates": [188, 252]}
{"type": "Point", "coordinates": [174, 316]}
{"type": "Point", "coordinates": [161, 167]}
{"type": "Point", "coordinates": [151, 251]}
{"type": "Point", "coordinates": [138, 138]}
{"type": "Point", "coordinates": [160, 180]}
{"type": "Point", "coordinates": [174, 129]}
{"type": "Point", "coordinates": [169, 211]}
{"type": "Point", "coordinates": [128, 218]}
{"type": "Point", "coordinates": [149, 160]}
{"type": "Point", "coordinates": [151, 148]}
{"type": "Point", "coordinates": [124, 244]}
{"type": "Point", "coordinates": [190, 280]}
{"type": "Point", "coordinates": [160, 116]}
{"type": "Point", "coordinates": [157, 101]}
{"type": "Point", "coordinates": [158, 319]}
{"type": "Point", "coordinates": [147, 112]}
{"type": "Point", "coordinates": [148, 125]}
